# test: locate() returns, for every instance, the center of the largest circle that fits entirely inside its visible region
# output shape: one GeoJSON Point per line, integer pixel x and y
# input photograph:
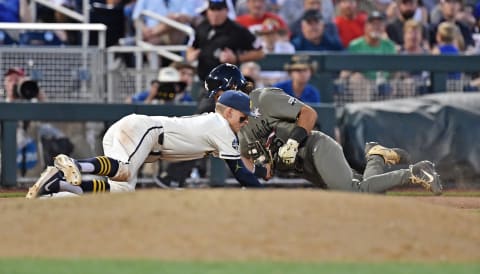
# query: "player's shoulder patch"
{"type": "Point", "coordinates": [292, 101]}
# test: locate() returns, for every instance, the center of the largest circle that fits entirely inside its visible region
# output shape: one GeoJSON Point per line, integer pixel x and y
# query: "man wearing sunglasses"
{"type": "Point", "coordinates": [282, 136]}
{"type": "Point", "coordinates": [137, 139]}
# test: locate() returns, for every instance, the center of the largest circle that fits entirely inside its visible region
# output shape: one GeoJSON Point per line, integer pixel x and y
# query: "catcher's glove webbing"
{"type": "Point", "coordinates": [260, 154]}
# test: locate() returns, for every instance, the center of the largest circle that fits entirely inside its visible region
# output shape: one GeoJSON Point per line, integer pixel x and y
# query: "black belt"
{"type": "Point", "coordinates": [160, 138]}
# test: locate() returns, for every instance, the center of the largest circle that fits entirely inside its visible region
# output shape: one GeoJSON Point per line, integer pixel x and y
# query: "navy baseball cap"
{"type": "Point", "coordinates": [217, 4]}
{"type": "Point", "coordinates": [237, 100]}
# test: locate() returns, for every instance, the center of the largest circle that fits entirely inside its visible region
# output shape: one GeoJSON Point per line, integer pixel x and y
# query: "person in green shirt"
{"type": "Point", "coordinates": [374, 41]}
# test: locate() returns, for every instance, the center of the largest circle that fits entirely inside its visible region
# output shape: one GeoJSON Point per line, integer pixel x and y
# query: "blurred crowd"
{"type": "Point", "coordinates": [242, 31]}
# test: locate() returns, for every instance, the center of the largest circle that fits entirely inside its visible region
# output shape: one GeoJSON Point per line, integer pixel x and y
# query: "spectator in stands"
{"type": "Point", "coordinates": [300, 69]}
{"type": "Point", "coordinates": [252, 72]}
{"type": "Point", "coordinates": [406, 11]}
{"type": "Point", "coordinates": [413, 82]}
{"type": "Point", "coordinates": [187, 74]}
{"type": "Point", "coordinates": [18, 86]}
{"type": "Point", "coordinates": [159, 33]}
{"type": "Point", "coordinates": [476, 12]}
{"type": "Point", "coordinates": [372, 42]}
{"type": "Point", "coordinates": [13, 11]}
{"type": "Point", "coordinates": [220, 40]}
{"type": "Point", "coordinates": [449, 10]}
{"type": "Point", "coordinates": [350, 21]}
{"type": "Point", "coordinates": [380, 5]}
{"type": "Point", "coordinates": [413, 38]}
{"type": "Point", "coordinates": [447, 39]}
{"type": "Point", "coordinates": [241, 6]}
{"type": "Point", "coordinates": [270, 36]}
{"type": "Point", "coordinates": [420, 12]}
{"type": "Point", "coordinates": [330, 28]}
{"type": "Point", "coordinates": [58, 37]}
{"type": "Point", "coordinates": [272, 42]}
{"type": "Point", "coordinates": [257, 14]}
{"type": "Point", "coordinates": [292, 10]}
{"type": "Point", "coordinates": [313, 36]}
{"type": "Point", "coordinates": [465, 14]}
{"type": "Point", "coordinates": [167, 88]}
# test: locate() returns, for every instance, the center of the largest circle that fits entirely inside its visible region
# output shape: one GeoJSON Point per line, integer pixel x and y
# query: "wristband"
{"type": "Point", "coordinates": [259, 171]}
{"type": "Point", "coordinates": [298, 134]}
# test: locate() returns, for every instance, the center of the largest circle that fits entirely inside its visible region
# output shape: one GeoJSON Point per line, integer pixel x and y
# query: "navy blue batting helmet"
{"type": "Point", "coordinates": [225, 77]}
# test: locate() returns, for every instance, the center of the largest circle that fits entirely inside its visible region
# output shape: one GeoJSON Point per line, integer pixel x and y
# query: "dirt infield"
{"type": "Point", "coordinates": [233, 224]}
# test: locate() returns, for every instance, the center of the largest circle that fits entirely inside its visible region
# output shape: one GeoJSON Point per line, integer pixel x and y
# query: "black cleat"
{"type": "Point", "coordinates": [424, 173]}
{"type": "Point", "coordinates": [48, 183]}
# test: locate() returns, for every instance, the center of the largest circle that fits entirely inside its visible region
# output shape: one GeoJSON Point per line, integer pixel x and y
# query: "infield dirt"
{"type": "Point", "coordinates": [240, 225]}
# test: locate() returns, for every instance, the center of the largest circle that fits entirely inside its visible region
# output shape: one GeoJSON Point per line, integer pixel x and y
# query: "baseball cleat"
{"type": "Point", "coordinates": [48, 183]}
{"type": "Point", "coordinates": [392, 156]}
{"type": "Point", "coordinates": [69, 168]}
{"type": "Point", "coordinates": [424, 173]}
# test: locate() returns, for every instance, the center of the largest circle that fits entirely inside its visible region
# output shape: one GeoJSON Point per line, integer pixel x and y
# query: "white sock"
{"type": "Point", "coordinates": [65, 186]}
{"type": "Point", "coordinates": [86, 167]}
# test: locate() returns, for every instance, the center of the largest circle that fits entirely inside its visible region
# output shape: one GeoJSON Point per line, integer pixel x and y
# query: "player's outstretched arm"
{"type": "Point", "coordinates": [242, 174]}
{"type": "Point", "coordinates": [307, 118]}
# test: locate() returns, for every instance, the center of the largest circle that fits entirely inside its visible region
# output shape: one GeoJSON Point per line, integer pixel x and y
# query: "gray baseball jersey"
{"type": "Point", "coordinates": [320, 159]}
{"type": "Point", "coordinates": [276, 112]}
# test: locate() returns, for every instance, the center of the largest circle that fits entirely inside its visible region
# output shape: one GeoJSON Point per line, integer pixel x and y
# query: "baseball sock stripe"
{"type": "Point", "coordinates": [106, 161]}
{"type": "Point", "coordinates": [98, 165]}
{"type": "Point", "coordinates": [95, 185]}
{"type": "Point", "coordinates": [103, 163]}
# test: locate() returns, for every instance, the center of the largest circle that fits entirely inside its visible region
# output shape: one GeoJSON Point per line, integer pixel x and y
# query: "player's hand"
{"type": "Point", "coordinates": [227, 56]}
{"type": "Point", "coordinates": [288, 152]}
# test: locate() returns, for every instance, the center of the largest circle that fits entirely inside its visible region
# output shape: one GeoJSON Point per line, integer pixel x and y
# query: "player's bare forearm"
{"type": "Point", "coordinates": [248, 163]}
{"type": "Point", "coordinates": [251, 55]}
{"type": "Point", "coordinates": [307, 118]}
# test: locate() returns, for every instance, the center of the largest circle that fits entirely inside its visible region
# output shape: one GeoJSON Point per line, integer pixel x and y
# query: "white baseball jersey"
{"type": "Point", "coordinates": [193, 137]}
{"type": "Point", "coordinates": [134, 138]}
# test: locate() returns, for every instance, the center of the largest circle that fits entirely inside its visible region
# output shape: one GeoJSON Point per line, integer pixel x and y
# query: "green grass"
{"type": "Point", "coordinates": [43, 266]}
{"type": "Point", "coordinates": [12, 195]}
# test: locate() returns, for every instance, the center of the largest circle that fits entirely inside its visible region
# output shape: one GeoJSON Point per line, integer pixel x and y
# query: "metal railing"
{"type": "Point", "coordinates": [100, 28]}
{"type": "Point", "coordinates": [83, 18]}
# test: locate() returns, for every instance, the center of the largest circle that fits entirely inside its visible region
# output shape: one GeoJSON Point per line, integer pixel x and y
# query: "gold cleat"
{"type": "Point", "coordinates": [69, 169]}
{"type": "Point", "coordinates": [392, 156]}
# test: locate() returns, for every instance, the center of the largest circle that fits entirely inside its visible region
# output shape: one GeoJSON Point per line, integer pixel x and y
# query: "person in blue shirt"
{"type": "Point", "coordinates": [448, 37]}
{"type": "Point", "coordinates": [314, 36]}
{"type": "Point", "coordinates": [300, 70]}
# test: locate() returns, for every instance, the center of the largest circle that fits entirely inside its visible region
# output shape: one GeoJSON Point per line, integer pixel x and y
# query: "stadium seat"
{"type": "Point", "coordinates": [46, 38]}
{"type": "Point", "coordinates": [5, 39]}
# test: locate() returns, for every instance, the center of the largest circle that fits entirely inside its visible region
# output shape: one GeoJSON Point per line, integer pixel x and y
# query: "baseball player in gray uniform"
{"type": "Point", "coordinates": [136, 139]}
{"type": "Point", "coordinates": [281, 134]}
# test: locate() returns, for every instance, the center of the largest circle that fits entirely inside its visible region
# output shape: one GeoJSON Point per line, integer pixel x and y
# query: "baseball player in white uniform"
{"type": "Point", "coordinates": [136, 139]}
